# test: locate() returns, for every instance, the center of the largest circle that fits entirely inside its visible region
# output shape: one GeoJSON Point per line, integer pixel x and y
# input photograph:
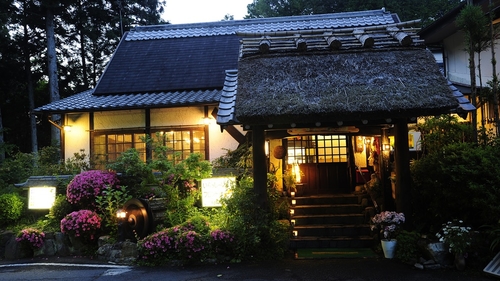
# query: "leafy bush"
{"type": "Point", "coordinates": [12, 208]}
{"type": "Point", "coordinates": [258, 232]}
{"type": "Point", "coordinates": [134, 171]}
{"type": "Point", "coordinates": [85, 187]}
{"type": "Point", "coordinates": [459, 181]}
{"type": "Point", "coordinates": [407, 249]}
{"type": "Point", "coordinates": [108, 203]}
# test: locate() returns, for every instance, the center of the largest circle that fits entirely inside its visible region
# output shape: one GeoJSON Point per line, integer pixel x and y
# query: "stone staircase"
{"type": "Point", "coordinates": [330, 221]}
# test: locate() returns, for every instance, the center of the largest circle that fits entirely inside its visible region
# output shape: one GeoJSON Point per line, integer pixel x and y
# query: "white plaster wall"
{"type": "Point", "coordinates": [221, 141]}
{"type": "Point", "coordinates": [78, 138]}
{"type": "Point", "coordinates": [119, 119]}
{"type": "Point", "coordinates": [457, 60]}
{"type": "Point", "coordinates": [177, 116]}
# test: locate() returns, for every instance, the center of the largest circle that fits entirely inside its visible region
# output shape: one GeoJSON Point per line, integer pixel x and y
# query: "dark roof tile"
{"type": "Point", "coordinates": [86, 101]}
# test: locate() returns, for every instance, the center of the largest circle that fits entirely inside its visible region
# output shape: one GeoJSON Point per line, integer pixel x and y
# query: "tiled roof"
{"type": "Point", "coordinates": [323, 21]}
{"type": "Point", "coordinates": [166, 61]}
{"type": "Point", "coordinates": [169, 65]}
{"type": "Point", "coordinates": [86, 101]}
{"type": "Point", "coordinates": [225, 115]}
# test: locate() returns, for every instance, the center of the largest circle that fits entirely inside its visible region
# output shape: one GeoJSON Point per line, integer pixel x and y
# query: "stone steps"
{"type": "Point", "coordinates": [330, 221]}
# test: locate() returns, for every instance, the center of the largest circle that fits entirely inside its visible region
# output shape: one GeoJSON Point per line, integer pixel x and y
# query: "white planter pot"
{"type": "Point", "coordinates": [389, 248]}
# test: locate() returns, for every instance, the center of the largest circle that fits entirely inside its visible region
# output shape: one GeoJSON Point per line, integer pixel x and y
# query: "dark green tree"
{"type": "Point", "coordinates": [426, 10]}
{"type": "Point", "coordinates": [85, 34]}
{"type": "Point", "coordinates": [474, 24]}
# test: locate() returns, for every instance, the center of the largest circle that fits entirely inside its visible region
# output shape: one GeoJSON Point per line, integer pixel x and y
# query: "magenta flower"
{"type": "Point", "coordinates": [83, 223]}
{"type": "Point", "coordinates": [32, 237]}
{"type": "Point", "coordinates": [84, 187]}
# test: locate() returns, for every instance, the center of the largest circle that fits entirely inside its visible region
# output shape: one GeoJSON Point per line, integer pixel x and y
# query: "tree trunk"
{"type": "Point", "coordinates": [52, 71]}
{"type": "Point", "coordinates": [495, 77]}
{"type": "Point", "coordinates": [2, 143]}
{"type": "Point", "coordinates": [472, 72]}
{"type": "Point", "coordinates": [31, 94]}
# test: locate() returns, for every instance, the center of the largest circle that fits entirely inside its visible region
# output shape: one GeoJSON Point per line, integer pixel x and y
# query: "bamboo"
{"type": "Point", "coordinates": [321, 31]}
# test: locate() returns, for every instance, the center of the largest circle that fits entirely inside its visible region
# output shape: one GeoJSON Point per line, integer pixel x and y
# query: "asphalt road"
{"type": "Point", "coordinates": [373, 269]}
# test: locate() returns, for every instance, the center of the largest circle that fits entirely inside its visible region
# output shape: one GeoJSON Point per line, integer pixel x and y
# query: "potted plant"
{"type": "Point", "coordinates": [458, 239]}
{"type": "Point", "coordinates": [388, 224]}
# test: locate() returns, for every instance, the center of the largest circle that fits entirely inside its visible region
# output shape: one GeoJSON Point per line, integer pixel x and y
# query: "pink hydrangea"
{"type": "Point", "coordinates": [388, 223]}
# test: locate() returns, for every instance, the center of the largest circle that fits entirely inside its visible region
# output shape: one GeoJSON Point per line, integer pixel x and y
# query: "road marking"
{"type": "Point", "coordinates": [118, 271]}
{"type": "Point", "coordinates": [69, 265]}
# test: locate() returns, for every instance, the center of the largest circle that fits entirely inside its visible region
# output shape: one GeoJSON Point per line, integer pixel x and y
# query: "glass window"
{"type": "Point", "coordinates": [107, 146]}
{"type": "Point", "coordinates": [317, 149]}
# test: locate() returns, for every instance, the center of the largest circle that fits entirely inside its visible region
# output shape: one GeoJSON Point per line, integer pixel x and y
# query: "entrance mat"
{"type": "Point", "coordinates": [334, 253]}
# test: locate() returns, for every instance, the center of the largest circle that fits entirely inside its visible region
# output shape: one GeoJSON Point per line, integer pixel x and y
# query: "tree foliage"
{"type": "Point", "coordinates": [426, 10]}
{"type": "Point", "coordinates": [86, 33]}
{"type": "Point", "coordinates": [456, 178]}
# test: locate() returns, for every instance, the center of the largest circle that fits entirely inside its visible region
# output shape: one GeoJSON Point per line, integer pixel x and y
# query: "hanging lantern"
{"type": "Point", "coordinates": [279, 152]}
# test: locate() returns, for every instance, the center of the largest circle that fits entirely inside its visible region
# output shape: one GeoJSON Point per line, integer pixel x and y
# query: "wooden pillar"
{"type": "Point", "coordinates": [403, 176]}
{"type": "Point", "coordinates": [259, 166]}
{"type": "Point", "coordinates": [147, 131]}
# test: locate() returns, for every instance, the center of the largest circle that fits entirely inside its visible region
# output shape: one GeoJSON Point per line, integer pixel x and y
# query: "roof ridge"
{"type": "Point", "coordinates": [305, 22]}
{"type": "Point", "coordinates": [252, 21]}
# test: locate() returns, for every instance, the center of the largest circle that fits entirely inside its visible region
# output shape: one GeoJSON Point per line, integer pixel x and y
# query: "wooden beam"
{"type": "Point", "coordinates": [403, 176]}
{"type": "Point", "coordinates": [333, 42]}
{"type": "Point", "coordinates": [367, 41]}
{"type": "Point", "coordinates": [259, 166]}
{"type": "Point", "coordinates": [301, 44]}
{"type": "Point", "coordinates": [264, 45]}
{"type": "Point", "coordinates": [403, 38]}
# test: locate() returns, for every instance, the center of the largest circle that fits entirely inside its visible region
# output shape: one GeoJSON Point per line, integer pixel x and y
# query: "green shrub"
{"type": "Point", "coordinates": [459, 182]}
{"type": "Point", "coordinates": [108, 203]}
{"type": "Point", "coordinates": [407, 249]}
{"type": "Point", "coordinates": [60, 209]}
{"type": "Point", "coordinates": [258, 232]}
{"type": "Point", "coordinates": [12, 208]}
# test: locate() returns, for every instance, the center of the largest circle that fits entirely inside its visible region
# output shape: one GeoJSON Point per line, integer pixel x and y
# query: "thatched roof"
{"type": "Point", "coordinates": [368, 84]}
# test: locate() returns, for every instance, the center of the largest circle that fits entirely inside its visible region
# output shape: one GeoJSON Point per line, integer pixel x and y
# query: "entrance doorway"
{"type": "Point", "coordinates": [323, 162]}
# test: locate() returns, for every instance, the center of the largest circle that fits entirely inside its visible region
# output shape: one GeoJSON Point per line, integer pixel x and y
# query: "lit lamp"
{"type": "Point", "coordinates": [386, 147]}
{"type": "Point", "coordinates": [67, 128]}
{"type": "Point", "coordinates": [295, 233]}
{"type": "Point", "coordinates": [294, 202]}
{"type": "Point", "coordinates": [292, 222]}
{"type": "Point", "coordinates": [121, 214]}
{"type": "Point", "coordinates": [292, 194]}
{"type": "Point", "coordinates": [292, 212]}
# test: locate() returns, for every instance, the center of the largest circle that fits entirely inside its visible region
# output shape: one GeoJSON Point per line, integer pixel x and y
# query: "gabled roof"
{"type": "Point", "coordinates": [173, 64]}
{"type": "Point", "coordinates": [393, 76]}
{"type": "Point", "coordinates": [445, 26]}
{"type": "Point", "coordinates": [311, 88]}
{"type": "Point", "coordinates": [183, 58]}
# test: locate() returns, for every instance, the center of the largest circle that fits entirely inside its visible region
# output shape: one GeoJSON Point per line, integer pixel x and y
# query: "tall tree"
{"type": "Point", "coordinates": [494, 81]}
{"type": "Point", "coordinates": [426, 10]}
{"type": "Point", "coordinates": [50, 7]}
{"type": "Point", "coordinates": [475, 27]}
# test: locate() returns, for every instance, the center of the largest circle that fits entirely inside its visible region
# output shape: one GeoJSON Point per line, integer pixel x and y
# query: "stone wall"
{"type": "Point", "coordinates": [61, 245]}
